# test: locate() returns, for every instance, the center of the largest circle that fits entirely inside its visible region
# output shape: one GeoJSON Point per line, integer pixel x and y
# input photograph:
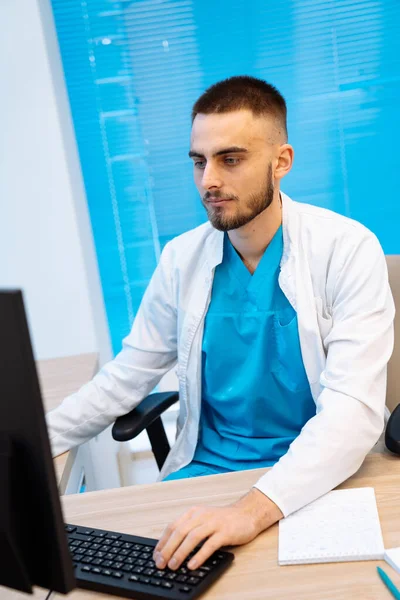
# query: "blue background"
{"type": "Point", "coordinates": [134, 68]}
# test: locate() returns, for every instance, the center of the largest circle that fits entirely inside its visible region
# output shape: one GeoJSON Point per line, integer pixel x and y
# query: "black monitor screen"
{"type": "Point", "coordinates": [33, 543]}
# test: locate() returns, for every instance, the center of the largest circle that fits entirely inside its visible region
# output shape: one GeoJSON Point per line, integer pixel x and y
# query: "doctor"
{"type": "Point", "coordinates": [280, 318]}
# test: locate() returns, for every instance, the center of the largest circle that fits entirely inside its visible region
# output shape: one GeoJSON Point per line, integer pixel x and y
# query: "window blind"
{"type": "Point", "coordinates": [134, 68]}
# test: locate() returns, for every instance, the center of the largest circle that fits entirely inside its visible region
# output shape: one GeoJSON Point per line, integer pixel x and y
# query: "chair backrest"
{"type": "Point", "coordinates": [393, 383]}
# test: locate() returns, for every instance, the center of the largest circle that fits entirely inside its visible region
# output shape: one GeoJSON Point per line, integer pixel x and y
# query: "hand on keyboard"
{"type": "Point", "coordinates": [236, 524]}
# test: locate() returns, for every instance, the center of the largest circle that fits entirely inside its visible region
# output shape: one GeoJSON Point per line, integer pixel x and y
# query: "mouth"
{"type": "Point", "coordinates": [218, 201]}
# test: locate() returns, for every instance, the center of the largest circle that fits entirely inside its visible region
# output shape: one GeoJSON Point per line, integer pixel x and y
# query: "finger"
{"type": "Point", "coordinates": [214, 543]}
{"type": "Point", "coordinates": [175, 538]}
{"type": "Point", "coordinates": [172, 526]}
{"type": "Point", "coordinates": [168, 531]}
{"type": "Point", "coordinates": [192, 539]}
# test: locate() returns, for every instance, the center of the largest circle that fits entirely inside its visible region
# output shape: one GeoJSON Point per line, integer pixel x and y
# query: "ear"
{"type": "Point", "coordinates": [284, 161]}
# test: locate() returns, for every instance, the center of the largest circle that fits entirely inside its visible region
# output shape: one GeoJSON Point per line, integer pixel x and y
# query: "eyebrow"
{"type": "Point", "coordinates": [231, 150]}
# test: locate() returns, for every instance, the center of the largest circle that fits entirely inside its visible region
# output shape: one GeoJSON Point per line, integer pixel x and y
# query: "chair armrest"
{"type": "Point", "coordinates": [392, 433]}
{"type": "Point", "coordinates": [150, 408]}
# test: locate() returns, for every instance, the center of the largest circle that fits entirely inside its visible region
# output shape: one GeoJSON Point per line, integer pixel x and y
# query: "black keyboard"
{"type": "Point", "coordinates": [122, 565]}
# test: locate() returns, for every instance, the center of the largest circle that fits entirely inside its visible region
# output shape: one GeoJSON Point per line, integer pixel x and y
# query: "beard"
{"type": "Point", "coordinates": [256, 204]}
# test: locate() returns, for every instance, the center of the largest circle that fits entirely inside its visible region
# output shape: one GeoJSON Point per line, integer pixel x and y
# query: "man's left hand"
{"type": "Point", "coordinates": [232, 525]}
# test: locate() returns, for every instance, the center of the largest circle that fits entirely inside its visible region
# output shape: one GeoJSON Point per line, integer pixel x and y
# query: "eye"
{"type": "Point", "coordinates": [232, 161]}
{"type": "Point", "coordinates": [199, 164]}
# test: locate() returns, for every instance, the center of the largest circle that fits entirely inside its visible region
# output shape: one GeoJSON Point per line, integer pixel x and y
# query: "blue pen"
{"type": "Point", "coordinates": [389, 583]}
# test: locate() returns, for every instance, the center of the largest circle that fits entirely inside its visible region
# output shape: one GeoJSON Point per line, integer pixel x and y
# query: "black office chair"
{"type": "Point", "coordinates": [148, 414]}
{"type": "Point", "coordinates": [392, 433]}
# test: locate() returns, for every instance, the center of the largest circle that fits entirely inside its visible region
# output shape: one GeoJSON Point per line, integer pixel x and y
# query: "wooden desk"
{"type": "Point", "coordinates": [255, 574]}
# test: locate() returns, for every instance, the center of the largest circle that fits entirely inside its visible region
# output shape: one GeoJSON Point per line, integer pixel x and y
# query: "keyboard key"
{"type": "Point", "coordinates": [99, 534]}
{"type": "Point", "coordinates": [76, 543]}
{"type": "Point", "coordinates": [129, 560]}
{"type": "Point", "coordinates": [87, 531]}
{"type": "Point", "coordinates": [160, 574]}
{"type": "Point", "coordinates": [149, 572]}
{"type": "Point", "coordinates": [148, 549]}
{"type": "Point", "coordinates": [125, 552]}
{"type": "Point", "coordinates": [145, 579]}
{"type": "Point", "coordinates": [137, 547]}
{"type": "Point", "coordinates": [118, 565]}
{"type": "Point", "coordinates": [127, 545]}
{"type": "Point", "coordinates": [107, 563]}
{"type": "Point", "coordinates": [106, 572]}
{"type": "Point", "coordinates": [87, 559]}
{"type": "Point", "coordinates": [96, 570]}
{"type": "Point", "coordinates": [127, 568]}
{"type": "Point", "coordinates": [205, 568]}
{"type": "Point", "coordinates": [78, 557]}
{"type": "Point", "coordinates": [114, 536]}
{"type": "Point", "coordinates": [107, 542]}
{"type": "Point", "coordinates": [95, 546]}
{"type": "Point", "coordinates": [97, 561]}
{"type": "Point", "coordinates": [117, 574]}
{"type": "Point", "coordinates": [134, 578]}
{"type": "Point", "coordinates": [198, 573]}
{"type": "Point", "coordinates": [183, 571]}
{"type": "Point", "coordinates": [135, 554]}
{"type": "Point", "coordinates": [117, 544]}
{"type": "Point", "coordinates": [82, 538]}
{"type": "Point", "coordinates": [155, 582]}
{"type": "Point", "coordinates": [145, 556]}
{"type": "Point", "coordinates": [70, 528]}
{"type": "Point", "coordinates": [86, 568]}
{"type": "Point", "coordinates": [100, 554]}
{"type": "Point", "coordinates": [186, 589]}
{"type": "Point", "coordinates": [167, 584]}
{"type": "Point", "coordinates": [138, 570]}
{"type": "Point", "coordinates": [193, 580]}
{"type": "Point", "coordinates": [182, 578]}
{"type": "Point", "coordinates": [171, 576]}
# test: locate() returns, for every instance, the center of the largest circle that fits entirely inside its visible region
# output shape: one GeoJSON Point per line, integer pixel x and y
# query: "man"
{"type": "Point", "coordinates": [280, 318]}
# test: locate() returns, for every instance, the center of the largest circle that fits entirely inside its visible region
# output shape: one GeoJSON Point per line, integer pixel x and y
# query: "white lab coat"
{"type": "Point", "coordinates": [333, 272]}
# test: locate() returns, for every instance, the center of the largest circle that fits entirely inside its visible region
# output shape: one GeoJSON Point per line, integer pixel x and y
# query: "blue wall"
{"type": "Point", "coordinates": [134, 68]}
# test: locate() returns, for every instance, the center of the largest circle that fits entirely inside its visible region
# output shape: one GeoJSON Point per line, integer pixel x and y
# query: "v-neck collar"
{"type": "Point", "coordinates": [266, 268]}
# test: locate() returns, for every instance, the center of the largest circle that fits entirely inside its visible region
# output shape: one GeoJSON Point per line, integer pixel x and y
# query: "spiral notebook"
{"type": "Point", "coordinates": [341, 526]}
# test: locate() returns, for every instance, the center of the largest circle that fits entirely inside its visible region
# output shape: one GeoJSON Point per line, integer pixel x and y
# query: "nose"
{"type": "Point", "coordinates": [211, 178]}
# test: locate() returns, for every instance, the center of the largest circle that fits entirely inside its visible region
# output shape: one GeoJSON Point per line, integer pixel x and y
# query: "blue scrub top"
{"type": "Point", "coordinates": [255, 394]}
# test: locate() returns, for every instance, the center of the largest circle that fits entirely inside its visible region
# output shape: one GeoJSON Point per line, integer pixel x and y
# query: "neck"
{"type": "Point", "coordinates": [251, 240]}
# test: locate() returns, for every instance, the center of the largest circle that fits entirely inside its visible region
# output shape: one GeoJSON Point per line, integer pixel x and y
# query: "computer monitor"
{"type": "Point", "coordinates": [33, 542]}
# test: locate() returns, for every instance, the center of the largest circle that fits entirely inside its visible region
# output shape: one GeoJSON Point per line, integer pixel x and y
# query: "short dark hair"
{"type": "Point", "coordinates": [240, 92]}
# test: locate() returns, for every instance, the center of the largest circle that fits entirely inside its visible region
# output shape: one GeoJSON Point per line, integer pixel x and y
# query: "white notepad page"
{"type": "Point", "coordinates": [341, 526]}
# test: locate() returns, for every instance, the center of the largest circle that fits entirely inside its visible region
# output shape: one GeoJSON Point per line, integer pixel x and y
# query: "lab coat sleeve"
{"type": "Point", "coordinates": [148, 352]}
{"type": "Point", "coordinates": [350, 409]}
